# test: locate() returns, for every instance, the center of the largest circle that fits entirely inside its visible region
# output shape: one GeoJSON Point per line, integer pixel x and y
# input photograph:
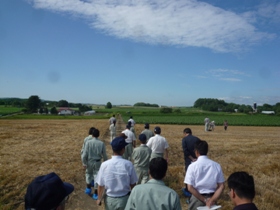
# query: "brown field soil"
{"type": "Point", "coordinates": [29, 148]}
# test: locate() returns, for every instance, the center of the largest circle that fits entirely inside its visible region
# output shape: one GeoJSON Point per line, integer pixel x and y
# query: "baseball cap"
{"type": "Point", "coordinates": [118, 143]}
{"type": "Point", "coordinates": [157, 130]}
{"type": "Point", "coordinates": [142, 137]}
{"type": "Point", "coordinates": [46, 192]}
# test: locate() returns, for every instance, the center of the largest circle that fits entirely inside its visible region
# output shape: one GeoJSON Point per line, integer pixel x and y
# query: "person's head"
{"type": "Point", "coordinates": [95, 133]}
{"type": "Point", "coordinates": [113, 115]}
{"type": "Point", "coordinates": [147, 126]}
{"type": "Point", "coordinates": [158, 168]}
{"type": "Point", "coordinates": [128, 126]}
{"type": "Point", "coordinates": [118, 145]}
{"type": "Point", "coordinates": [91, 130]}
{"type": "Point", "coordinates": [157, 130]}
{"type": "Point", "coordinates": [187, 131]}
{"type": "Point", "coordinates": [143, 138]}
{"type": "Point", "coordinates": [131, 117]}
{"type": "Point", "coordinates": [201, 147]}
{"type": "Point", "coordinates": [47, 192]}
{"type": "Point", "coordinates": [241, 186]}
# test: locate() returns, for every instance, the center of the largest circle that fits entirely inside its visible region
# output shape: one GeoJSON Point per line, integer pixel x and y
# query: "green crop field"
{"type": "Point", "coordinates": [185, 116]}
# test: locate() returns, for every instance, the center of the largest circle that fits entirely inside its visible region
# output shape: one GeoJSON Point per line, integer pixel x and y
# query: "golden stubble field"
{"type": "Point", "coordinates": [29, 148]}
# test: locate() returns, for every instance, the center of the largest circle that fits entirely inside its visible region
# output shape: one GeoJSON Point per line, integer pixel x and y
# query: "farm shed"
{"type": "Point", "coordinates": [91, 112]}
{"type": "Point", "coordinates": [268, 112]}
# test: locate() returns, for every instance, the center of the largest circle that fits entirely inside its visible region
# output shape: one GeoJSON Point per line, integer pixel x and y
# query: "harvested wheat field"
{"type": "Point", "coordinates": [29, 148]}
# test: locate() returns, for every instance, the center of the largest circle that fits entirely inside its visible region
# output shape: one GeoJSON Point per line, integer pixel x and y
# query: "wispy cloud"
{"type": "Point", "coordinates": [180, 23]}
{"type": "Point", "coordinates": [226, 75]}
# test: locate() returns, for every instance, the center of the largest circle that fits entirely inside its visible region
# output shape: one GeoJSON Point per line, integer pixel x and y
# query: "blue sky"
{"type": "Point", "coordinates": [154, 51]}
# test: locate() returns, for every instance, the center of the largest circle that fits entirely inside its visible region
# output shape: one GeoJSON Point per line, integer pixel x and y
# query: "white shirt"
{"type": "Point", "coordinates": [132, 122]}
{"type": "Point", "coordinates": [130, 136]}
{"type": "Point", "coordinates": [204, 175]}
{"type": "Point", "coordinates": [116, 175]}
{"type": "Point", "coordinates": [157, 143]}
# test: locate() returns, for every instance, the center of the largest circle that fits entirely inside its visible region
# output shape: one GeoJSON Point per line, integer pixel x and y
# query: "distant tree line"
{"type": "Point", "coordinates": [146, 104]}
{"type": "Point", "coordinates": [34, 103]}
{"type": "Point", "coordinates": [214, 105]}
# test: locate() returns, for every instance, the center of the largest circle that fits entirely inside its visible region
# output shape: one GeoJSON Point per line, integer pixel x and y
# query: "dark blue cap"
{"type": "Point", "coordinates": [142, 137]}
{"type": "Point", "coordinates": [47, 192]}
{"type": "Point", "coordinates": [157, 130]}
{"type": "Point", "coordinates": [118, 143]}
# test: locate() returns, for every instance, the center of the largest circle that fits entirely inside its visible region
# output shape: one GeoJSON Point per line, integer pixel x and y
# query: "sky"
{"type": "Point", "coordinates": [165, 52]}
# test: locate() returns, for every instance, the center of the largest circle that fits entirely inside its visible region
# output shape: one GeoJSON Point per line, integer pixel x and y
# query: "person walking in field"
{"type": "Point", "coordinates": [242, 190]}
{"type": "Point", "coordinates": [154, 194]}
{"type": "Point", "coordinates": [112, 119]}
{"type": "Point", "coordinates": [188, 143]}
{"type": "Point", "coordinates": [212, 126]}
{"type": "Point", "coordinates": [158, 144]}
{"type": "Point", "coordinates": [147, 131]}
{"type": "Point", "coordinates": [86, 139]}
{"type": "Point", "coordinates": [204, 178]}
{"type": "Point", "coordinates": [225, 125]}
{"type": "Point", "coordinates": [131, 142]}
{"type": "Point", "coordinates": [206, 122]}
{"type": "Point", "coordinates": [116, 178]}
{"type": "Point", "coordinates": [112, 129]}
{"type": "Point", "coordinates": [93, 153]}
{"type": "Point", "coordinates": [141, 157]}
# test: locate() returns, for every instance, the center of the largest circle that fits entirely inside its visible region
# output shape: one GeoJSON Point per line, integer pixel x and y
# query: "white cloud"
{"type": "Point", "coordinates": [180, 23]}
{"type": "Point", "coordinates": [227, 75]}
{"type": "Point", "coordinates": [231, 79]}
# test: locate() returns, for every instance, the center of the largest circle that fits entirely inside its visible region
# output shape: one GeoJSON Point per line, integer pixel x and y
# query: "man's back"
{"type": "Point", "coordinates": [157, 143]}
{"type": "Point", "coordinates": [204, 174]}
{"type": "Point", "coordinates": [94, 149]}
{"type": "Point", "coordinates": [148, 133]}
{"type": "Point", "coordinates": [153, 195]}
{"type": "Point", "coordinates": [188, 145]}
{"type": "Point", "coordinates": [141, 156]}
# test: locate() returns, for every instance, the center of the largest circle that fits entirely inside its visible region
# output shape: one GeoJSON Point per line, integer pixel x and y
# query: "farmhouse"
{"type": "Point", "coordinates": [65, 111]}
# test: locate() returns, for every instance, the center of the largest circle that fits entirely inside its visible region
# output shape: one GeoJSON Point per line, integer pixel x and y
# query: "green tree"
{"type": "Point", "coordinates": [33, 104]}
{"type": "Point", "coordinates": [109, 105]}
{"type": "Point", "coordinates": [166, 110]}
{"type": "Point", "coordinates": [53, 110]}
{"type": "Point", "coordinates": [62, 103]}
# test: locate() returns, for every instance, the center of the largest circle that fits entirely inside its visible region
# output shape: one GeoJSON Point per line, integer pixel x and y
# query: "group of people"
{"type": "Point", "coordinates": [133, 177]}
{"type": "Point", "coordinates": [210, 125]}
{"type": "Point", "coordinates": [204, 179]}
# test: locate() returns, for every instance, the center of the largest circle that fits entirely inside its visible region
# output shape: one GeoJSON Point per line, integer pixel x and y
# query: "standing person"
{"type": "Point", "coordinates": [141, 157]}
{"type": "Point", "coordinates": [188, 143]}
{"type": "Point", "coordinates": [147, 131]}
{"type": "Point", "coordinates": [158, 144]}
{"type": "Point", "coordinates": [112, 129]}
{"type": "Point", "coordinates": [204, 178]}
{"type": "Point", "coordinates": [87, 138]}
{"type": "Point", "coordinates": [206, 122]}
{"type": "Point", "coordinates": [116, 178]}
{"type": "Point", "coordinates": [212, 126]}
{"type": "Point", "coordinates": [93, 153]}
{"type": "Point", "coordinates": [47, 192]}
{"type": "Point", "coordinates": [131, 140]}
{"type": "Point", "coordinates": [242, 191]}
{"type": "Point", "coordinates": [225, 125]}
{"type": "Point", "coordinates": [154, 194]}
{"type": "Point", "coordinates": [132, 121]}
{"type": "Point", "coordinates": [112, 119]}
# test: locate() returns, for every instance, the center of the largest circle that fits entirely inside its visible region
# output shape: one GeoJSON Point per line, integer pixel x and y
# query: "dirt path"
{"type": "Point", "coordinates": [79, 200]}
